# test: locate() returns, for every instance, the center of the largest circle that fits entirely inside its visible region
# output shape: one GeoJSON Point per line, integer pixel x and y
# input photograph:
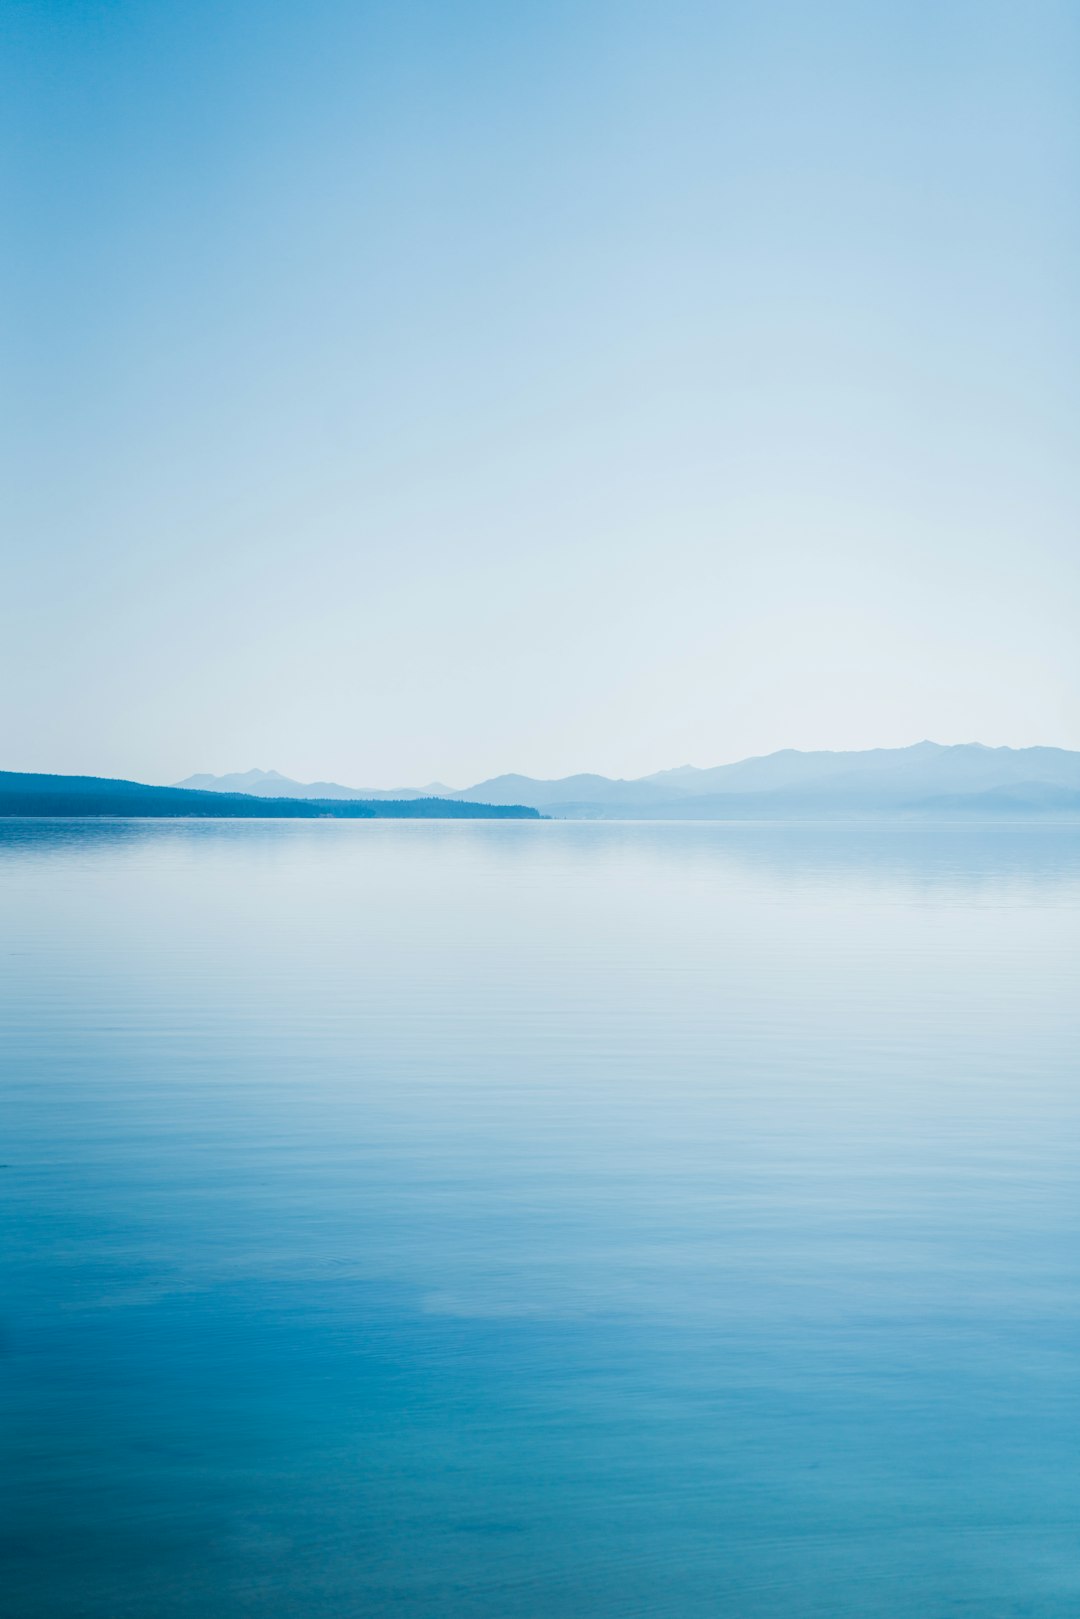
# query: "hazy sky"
{"type": "Point", "coordinates": [406, 391]}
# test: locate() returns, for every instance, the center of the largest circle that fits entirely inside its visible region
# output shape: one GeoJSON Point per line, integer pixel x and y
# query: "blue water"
{"type": "Point", "coordinates": [545, 1221]}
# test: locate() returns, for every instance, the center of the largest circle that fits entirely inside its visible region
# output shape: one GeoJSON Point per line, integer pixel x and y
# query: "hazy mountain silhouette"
{"type": "Point", "coordinates": [930, 778]}
{"type": "Point", "coordinates": [271, 784]}
{"type": "Point", "coordinates": [927, 766]}
{"type": "Point", "coordinates": [587, 789]}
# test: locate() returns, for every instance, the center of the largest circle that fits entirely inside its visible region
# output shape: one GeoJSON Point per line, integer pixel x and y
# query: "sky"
{"type": "Point", "coordinates": [398, 392]}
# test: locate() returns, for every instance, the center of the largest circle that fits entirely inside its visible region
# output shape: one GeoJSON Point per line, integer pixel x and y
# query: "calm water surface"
{"type": "Point", "coordinates": [510, 1221]}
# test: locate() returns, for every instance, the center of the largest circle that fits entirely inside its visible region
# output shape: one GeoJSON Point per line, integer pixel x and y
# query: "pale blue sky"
{"type": "Point", "coordinates": [406, 391]}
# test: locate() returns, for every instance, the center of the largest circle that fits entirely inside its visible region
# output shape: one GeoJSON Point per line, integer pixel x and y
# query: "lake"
{"type": "Point", "coordinates": [540, 1220]}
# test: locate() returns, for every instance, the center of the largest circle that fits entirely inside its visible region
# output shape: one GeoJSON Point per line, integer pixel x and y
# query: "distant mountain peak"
{"type": "Point", "coordinates": [272, 784]}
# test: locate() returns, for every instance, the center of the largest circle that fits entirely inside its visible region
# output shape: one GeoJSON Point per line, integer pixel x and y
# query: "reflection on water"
{"type": "Point", "coordinates": [533, 1221]}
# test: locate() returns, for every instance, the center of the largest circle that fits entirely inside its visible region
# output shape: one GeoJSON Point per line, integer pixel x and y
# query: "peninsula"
{"type": "Point", "coordinates": [23, 794]}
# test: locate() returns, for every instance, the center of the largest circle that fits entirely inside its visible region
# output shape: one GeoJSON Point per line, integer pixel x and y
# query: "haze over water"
{"type": "Point", "coordinates": [540, 1221]}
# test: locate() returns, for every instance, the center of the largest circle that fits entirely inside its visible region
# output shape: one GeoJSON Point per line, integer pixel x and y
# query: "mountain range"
{"type": "Point", "coordinates": [928, 778]}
